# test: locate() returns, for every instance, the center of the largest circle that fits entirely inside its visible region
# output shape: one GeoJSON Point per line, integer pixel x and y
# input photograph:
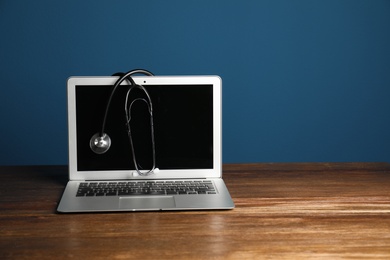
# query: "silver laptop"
{"type": "Point", "coordinates": [166, 160]}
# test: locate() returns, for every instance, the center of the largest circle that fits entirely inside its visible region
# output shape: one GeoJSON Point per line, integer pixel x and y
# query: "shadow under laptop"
{"type": "Point", "coordinates": [49, 173]}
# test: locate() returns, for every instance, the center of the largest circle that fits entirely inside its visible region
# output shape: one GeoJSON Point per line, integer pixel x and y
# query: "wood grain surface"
{"type": "Point", "coordinates": [283, 211]}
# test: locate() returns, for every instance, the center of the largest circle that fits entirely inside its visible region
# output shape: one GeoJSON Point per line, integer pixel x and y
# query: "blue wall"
{"type": "Point", "coordinates": [303, 80]}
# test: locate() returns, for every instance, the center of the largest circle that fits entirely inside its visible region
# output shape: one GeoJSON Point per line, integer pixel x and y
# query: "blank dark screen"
{"type": "Point", "coordinates": [183, 127]}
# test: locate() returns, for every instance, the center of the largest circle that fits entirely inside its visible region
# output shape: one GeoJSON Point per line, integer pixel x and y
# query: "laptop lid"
{"type": "Point", "coordinates": [186, 126]}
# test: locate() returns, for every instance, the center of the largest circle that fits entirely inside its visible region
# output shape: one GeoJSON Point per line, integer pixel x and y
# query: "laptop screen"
{"type": "Point", "coordinates": [186, 123]}
{"type": "Point", "coordinates": [182, 121]}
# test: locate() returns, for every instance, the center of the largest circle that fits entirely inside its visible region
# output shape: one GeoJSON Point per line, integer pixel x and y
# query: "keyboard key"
{"type": "Point", "coordinates": [157, 193]}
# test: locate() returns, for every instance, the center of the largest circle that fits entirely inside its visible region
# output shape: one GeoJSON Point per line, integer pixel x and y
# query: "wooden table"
{"type": "Point", "coordinates": [283, 211]}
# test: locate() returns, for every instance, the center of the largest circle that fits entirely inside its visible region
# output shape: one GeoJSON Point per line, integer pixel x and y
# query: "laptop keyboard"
{"type": "Point", "coordinates": [128, 188]}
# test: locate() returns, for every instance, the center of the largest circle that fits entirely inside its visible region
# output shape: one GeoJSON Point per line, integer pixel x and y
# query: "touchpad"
{"type": "Point", "coordinates": [152, 202]}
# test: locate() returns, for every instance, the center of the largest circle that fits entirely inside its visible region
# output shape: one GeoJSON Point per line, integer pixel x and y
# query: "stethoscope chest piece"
{"type": "Point", "coordinates": [100, 143]}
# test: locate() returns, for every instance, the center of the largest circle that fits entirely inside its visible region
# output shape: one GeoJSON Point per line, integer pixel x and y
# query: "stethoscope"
{"type": "Point", "coordinates": [101, 141]}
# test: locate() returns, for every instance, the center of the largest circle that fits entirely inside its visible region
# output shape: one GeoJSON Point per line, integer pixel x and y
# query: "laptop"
{"type": "Point", "coordinates": [178, 146]}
